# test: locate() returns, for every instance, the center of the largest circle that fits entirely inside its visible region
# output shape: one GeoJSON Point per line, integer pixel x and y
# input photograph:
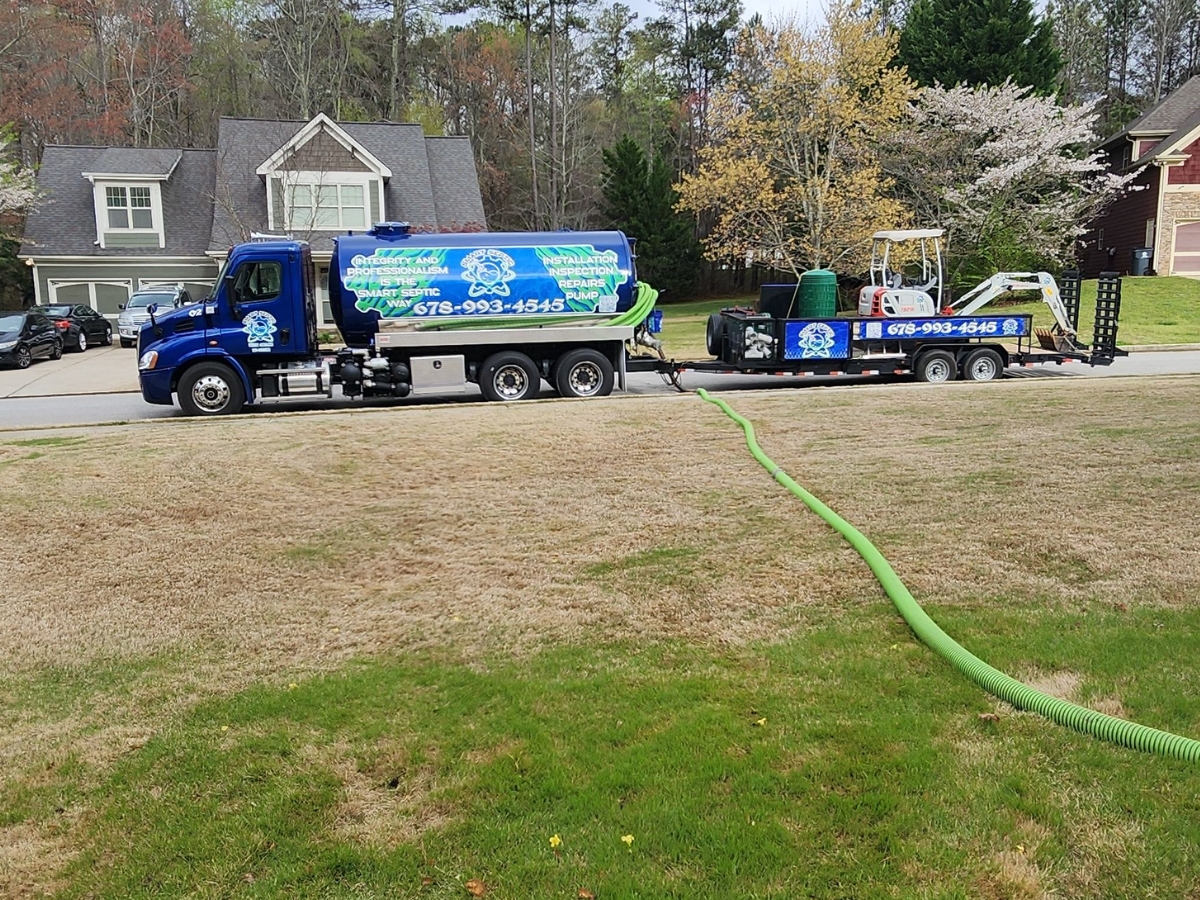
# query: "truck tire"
{"type": "Point", "coordinates": [509, 375]}
{"type": "Point", "coordinates": [714, 335]}
{"type": "Point", "coordinates": [583, 373]}
{"type": "Point", "coordinates": [211, 389]}
{"type": "Point", "coordinates": [983, 365]}
{"type": "Point", "coordinates": [936, 366]}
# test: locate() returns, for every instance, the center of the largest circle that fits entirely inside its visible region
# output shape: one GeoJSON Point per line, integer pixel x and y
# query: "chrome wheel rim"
{"type": "Point", "coordinates": [983, 369]}
{"type": "Point", "coordinates": [585, 379]}
{"type": "Point", "coordinates": [211, 393]}
{"type": "Point", "coordinates": [510, 382]}
{"type": "Point", "coordinates": [937, 371]}
{"type": "Point", "coordinates": [23, 358]}
{"type": "Point", "coordinates": [82, 342]}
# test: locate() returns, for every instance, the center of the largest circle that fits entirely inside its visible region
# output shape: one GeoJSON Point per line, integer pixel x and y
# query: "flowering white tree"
{"type": "Point", "coordinates": [1010, 176]}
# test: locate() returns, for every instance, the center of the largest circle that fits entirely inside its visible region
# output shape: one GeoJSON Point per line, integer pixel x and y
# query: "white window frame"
{"type": "Point", "coordinates": [54, 284]}
{"type": "Point", "coordinates": [313, 180]}
{"type": "Point", "coordinates": [100, 197]}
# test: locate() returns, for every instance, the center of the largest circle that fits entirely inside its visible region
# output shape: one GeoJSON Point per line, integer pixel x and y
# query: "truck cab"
{"type": "Point", "coordinates": [260, 318]}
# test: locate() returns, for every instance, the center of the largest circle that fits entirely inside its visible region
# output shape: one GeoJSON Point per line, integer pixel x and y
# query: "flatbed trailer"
{"type": "Point", "coordinates": [934, 349]}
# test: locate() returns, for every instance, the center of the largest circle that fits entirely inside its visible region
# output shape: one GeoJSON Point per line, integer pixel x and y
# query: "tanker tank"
{"type": "Point", "coordinates": [392, 279]}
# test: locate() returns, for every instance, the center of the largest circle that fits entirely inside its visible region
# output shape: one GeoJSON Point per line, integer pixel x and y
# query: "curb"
{"type": "Point", "coordinates": [1158, 348]}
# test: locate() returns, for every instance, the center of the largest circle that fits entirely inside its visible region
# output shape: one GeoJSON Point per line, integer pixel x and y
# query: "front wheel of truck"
{"type": "Point", "coordinates": [211, 389]}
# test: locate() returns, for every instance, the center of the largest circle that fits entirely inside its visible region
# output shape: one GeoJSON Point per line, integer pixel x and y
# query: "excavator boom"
{"type": "Point", "coordinates": [1003, 282]}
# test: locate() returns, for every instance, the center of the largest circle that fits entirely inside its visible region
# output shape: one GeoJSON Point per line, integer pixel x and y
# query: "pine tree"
{"type": "Point", "coordinates": [979, 42]}
{"type": "Point", "coordinates": [640, 200]}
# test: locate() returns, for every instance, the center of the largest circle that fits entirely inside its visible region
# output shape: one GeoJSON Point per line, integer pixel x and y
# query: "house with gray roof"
{"type": "Point", "coordinates": [114, 220]}
{"type": "Point", "coordinates": [1160, 216]}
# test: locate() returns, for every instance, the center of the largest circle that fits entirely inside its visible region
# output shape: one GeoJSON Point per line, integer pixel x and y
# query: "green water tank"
{"type": "Point", "coordinates": [818, 296]}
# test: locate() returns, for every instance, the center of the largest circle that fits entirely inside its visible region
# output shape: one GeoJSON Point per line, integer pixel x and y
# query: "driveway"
{"type": "Point", "coordinates": [101, 370]}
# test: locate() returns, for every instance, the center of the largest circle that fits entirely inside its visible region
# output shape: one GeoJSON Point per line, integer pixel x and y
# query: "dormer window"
{"type": "Point", "coordinates": [129, 207]}
{"type": "Point", "coordinates": [322, 179]}
{"type": "Point", "coordinates": [127, 186]}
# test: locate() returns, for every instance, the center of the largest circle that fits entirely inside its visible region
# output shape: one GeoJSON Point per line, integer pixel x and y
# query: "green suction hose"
{"type": "Point", "coordinates": [643, 303]}
{"type": "Point", "coordinates": [1088, 721]}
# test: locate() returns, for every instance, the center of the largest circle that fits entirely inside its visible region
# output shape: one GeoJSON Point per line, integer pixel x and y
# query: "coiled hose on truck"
{"type": "Point", "coordinates": [1088, 721]}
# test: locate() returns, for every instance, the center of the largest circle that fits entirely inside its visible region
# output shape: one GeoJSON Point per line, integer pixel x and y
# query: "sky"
{"type": "Point", "coordinates": [805, 11]}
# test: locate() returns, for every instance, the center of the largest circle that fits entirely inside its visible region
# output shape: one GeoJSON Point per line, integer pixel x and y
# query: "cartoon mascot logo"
{"type": "Point", "coordinates": [816, 341]}
{"type": "Point", "coordinates": [260, 329]}
{"type": "Point", "coordinates": [489, 272]}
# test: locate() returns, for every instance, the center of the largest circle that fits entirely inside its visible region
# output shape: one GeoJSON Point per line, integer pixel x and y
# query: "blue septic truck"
{"type": "Point", "coordinates": [419, 313]}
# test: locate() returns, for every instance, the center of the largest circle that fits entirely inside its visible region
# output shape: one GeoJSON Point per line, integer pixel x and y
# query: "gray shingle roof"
{"type": "Point", "coordinates": [455, 182]}
{"type": "Point", "coordinates": [1171, 114]}
{"type": "Point", "coordinates": [1173, 110]}
{"type": "Point", "coordinates": [64, 220]}
{"type": "Point", "coordinates": [136, 161]}
{"type": "Point", "coordinates": [215, 198]}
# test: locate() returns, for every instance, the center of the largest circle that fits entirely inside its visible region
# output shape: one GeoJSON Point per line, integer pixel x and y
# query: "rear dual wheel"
{"type": "Point", "coordinates": [509, 376]}
{"type": "Point", "coordinates": [583, 373]}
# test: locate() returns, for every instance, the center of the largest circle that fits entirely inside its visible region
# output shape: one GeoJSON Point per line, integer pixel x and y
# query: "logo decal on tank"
{"type": "Point", "coordinates": [489, 272]}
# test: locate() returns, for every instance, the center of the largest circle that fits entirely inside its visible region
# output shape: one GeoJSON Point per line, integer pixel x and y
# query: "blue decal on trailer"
{"type": "Point", "coordinates": [943, 327]}
{"type": "Point", "coordinates": [822, 339]}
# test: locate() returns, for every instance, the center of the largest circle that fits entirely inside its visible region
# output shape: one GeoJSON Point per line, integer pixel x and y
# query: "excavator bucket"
{"type": "Point", "coordinates": [1052, 340]}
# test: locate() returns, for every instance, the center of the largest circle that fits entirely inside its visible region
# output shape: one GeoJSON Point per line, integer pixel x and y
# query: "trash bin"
{"type": "Point", "coordinates": [818, 296]}
{"type": "Point", "coordinates": [1141, 260]}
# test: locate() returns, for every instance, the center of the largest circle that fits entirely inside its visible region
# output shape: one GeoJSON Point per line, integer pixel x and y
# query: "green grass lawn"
{"type": "Point", "coordinates": [1163, 310]}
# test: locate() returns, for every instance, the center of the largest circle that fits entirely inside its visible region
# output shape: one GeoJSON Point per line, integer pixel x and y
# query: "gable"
{"type": "Point", "coordinates": [321, 153]}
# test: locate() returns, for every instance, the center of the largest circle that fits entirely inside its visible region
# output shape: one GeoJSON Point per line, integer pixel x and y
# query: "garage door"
{"type": "Point", "coordinates": [72, 293]}
{"type": "Point", "coordinates": [1187, 249]}
{"type": "Point", "coordinates": [110, 298]}
{"type": "Point", "coordinates": [106, 297]}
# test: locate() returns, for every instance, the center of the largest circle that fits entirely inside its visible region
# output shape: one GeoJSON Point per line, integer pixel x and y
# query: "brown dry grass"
{"type": "Point", "coordinates": [270, 547]}
{"type": "Point", "coordinates": [288, 543]}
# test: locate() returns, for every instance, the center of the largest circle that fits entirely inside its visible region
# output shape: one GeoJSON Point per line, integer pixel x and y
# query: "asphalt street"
{"type": "Point", "coordinates": [20, 412]}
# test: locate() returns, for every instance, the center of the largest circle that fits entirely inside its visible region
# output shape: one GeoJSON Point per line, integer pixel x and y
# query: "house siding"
{"type": "Point", "coordinates": [195, 275]}
{"type": "Point", "coordinates": [1124, 226]}
{"type": "Point", "coordinates": [128, 239]}
{"type": "Point", "coordinates": [321, 153]}
{"type": "Point", "coordinates": [1189, 172]}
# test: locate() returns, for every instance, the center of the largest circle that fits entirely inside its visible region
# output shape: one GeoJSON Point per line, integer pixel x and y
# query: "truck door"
{"type": "Point", "coordinates": [262, 308]}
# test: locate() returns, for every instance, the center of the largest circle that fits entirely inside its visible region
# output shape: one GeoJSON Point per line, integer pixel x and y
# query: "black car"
{"type": "Point", "coordinates": [24, 336]}
{"type": "Point", "coordinates": [80, 326]}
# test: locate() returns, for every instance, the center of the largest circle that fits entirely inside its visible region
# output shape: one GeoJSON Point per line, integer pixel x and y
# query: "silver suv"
{"type": "Point", "coordinates": [137, 310]}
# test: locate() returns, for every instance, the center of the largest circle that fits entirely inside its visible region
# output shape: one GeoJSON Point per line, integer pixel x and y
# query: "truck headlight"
{"type": "Point", "coordinates": [148, 361]}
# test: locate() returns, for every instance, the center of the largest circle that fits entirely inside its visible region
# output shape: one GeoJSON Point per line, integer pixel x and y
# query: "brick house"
{"type": "Point", "coordinates": [114, 220]}
{"type": "Point", "coordinates": [1162, 212]}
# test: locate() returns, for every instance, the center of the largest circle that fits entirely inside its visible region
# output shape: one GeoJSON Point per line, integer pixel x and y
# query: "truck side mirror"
{"type": "Point", "coordinates": [120, 306]}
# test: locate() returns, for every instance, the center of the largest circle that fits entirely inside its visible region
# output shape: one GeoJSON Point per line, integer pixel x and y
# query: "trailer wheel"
{"type": "Point", "coordinates": [211, 389]}
{"type": "Point", "coordinates": [983, 365]}
{"type": "Point", "coordinates": [714, 335]}
{"type": "Point", "coordinates": [509, 375]}
{"type": "Point", "coordinates": [936, 366]}
{"type": "Point", "coordinates": [583, 373]}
